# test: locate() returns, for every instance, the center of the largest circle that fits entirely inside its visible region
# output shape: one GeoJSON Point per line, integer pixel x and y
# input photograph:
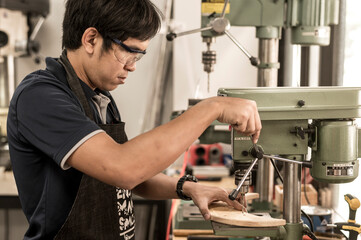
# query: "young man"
{"type": "Point", "coordinates": [73, 165]}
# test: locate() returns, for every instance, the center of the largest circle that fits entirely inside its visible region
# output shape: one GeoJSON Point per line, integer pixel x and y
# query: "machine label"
{"type": "Point", "coordinates": [210, 6]}
{"type": "Point", "coordinates": [340, 170]}
{"type": "Point", "coordinates": [242, 138]}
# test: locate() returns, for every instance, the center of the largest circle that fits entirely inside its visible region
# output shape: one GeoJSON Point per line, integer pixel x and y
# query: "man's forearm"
{"type": "Point", "coordinates": [159, 187]}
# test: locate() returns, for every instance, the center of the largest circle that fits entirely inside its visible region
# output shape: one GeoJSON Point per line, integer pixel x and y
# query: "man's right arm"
{"type": "Point", "coordinates": [129, 164]}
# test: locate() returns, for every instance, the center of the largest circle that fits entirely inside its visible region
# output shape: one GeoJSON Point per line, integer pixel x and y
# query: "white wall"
{"type": "Point", "coordinates": [232, 69]}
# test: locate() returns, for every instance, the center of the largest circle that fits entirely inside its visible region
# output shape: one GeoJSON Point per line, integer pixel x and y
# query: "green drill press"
{"type": "Point", "coordinates": [293, 120]}
{"type": "Point", "coordinates": [289, 126]}
{"type": "Point", "coordinates": [307, 21]}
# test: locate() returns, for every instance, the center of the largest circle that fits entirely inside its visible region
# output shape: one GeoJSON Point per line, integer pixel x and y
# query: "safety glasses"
{"type": "Point", "coordinates": [125, 54]}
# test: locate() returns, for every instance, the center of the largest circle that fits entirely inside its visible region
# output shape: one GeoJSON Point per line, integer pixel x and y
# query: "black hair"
{"type": "Point", "coordinates": [121, 19]}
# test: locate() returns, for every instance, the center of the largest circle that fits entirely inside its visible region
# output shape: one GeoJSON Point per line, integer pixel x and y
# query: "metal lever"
{"type": "Point", "coordinates": [254, 61]}
{"type": "Point", "coordinates": [224, 8]}
{"type": "Point", "coordinates": [304, 164]}
{"type": "Point", "coordinates": [171, 36]}
{"type": "Point", "coordinates": [233, 195]}
{"type": "Point", "coordinates": [257, 154]}
{"type": "Point", "coordinates": [220, 26]}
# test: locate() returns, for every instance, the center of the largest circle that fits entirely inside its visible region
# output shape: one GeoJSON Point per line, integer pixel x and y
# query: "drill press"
{"type": "Point", "coordinates": [307, 22]}
{"type": "Point", "coordinates": [293, 120]}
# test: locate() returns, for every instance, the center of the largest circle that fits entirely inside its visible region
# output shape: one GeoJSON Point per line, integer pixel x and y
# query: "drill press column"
{"type": "Point", "coordinates": [268, 56]}
{"type": "Point", "coordinates": [267, 77]}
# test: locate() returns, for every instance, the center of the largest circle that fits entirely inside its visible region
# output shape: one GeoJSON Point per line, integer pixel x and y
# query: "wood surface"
{"type": "Point", "coordinates": [222, 213]}
{"type": "Point", "coordinates": [186, 232]}
{"type": "Point", "coordinates": [252, 195]}
{"type": "Point", "coordinates": [208, 237]}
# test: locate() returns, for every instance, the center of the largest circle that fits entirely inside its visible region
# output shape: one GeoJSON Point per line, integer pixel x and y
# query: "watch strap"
{"type": "Point", "coordinates": [180, 183]}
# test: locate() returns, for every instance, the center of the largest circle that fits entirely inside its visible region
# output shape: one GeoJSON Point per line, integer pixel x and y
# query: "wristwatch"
{"type": "Point", "coordinates": [180, 183]}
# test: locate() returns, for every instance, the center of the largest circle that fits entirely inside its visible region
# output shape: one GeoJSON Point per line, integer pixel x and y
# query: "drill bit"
{"type": "Point", "coordinates": [208, 82]}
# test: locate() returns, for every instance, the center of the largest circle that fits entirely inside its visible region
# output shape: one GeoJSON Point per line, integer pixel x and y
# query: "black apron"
{"type": "Point", "coordinates": [100, 211]}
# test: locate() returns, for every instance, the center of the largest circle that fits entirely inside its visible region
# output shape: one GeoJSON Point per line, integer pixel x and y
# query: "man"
{"type": "Point", "coordinates": [67, 142]}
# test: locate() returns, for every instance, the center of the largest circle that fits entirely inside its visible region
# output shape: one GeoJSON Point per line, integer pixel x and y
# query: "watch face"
{"type": "Point", "coordinates": [194, 179]}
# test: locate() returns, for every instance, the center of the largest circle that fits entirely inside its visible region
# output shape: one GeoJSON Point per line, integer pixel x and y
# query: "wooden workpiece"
{"type": "Point", "coordinates": [222, 213]}
{"type": "Point", "coordinates": [252, 195]}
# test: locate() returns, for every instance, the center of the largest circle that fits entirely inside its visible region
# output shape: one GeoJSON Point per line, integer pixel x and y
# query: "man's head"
{"type": "Point", "coordinates": [104, 38]}
{"type": "Point", "coordinates": [114, 19]}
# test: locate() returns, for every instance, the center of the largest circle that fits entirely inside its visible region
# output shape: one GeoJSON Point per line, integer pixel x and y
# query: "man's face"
{"type": "Point", "coordinates": [107, 69]}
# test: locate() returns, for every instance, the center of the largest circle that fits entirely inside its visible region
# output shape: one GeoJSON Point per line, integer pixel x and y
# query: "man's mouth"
{"type": "Point", "coordinates": [122, 80]}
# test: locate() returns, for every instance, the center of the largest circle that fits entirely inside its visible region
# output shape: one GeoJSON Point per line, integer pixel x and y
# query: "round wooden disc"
{"type": "Point", "coordinates": [223, 213]}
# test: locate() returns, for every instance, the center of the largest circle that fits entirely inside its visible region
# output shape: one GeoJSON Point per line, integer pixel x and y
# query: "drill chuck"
{"type": "Point", "coordinates": [209, 59]}
{"type": "Point", "coordinates": [239, 174]}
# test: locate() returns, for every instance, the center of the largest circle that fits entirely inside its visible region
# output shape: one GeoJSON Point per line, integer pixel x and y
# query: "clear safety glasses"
{"type": "Point", "coordinates": [127, 55]}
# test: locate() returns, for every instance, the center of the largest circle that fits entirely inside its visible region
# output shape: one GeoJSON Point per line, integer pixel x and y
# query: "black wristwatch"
{"type": "Point", "coordinates": [180, 183]}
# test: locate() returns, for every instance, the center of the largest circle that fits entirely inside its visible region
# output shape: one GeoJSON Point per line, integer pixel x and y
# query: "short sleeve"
{"type": "Point", "coordinates": [51, 119]}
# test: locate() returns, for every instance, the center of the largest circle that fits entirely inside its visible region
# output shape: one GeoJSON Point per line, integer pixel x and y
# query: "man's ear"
{"type": "Point", "coordinates": [90, 39]}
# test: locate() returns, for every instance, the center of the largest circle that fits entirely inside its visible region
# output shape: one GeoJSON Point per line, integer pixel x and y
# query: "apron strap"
{"type": "Point", "coordinates": [75, 84]}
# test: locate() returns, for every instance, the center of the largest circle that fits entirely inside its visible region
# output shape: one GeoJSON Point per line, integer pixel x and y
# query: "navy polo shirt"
{"type": "Point", "coordinates": [46, 123]}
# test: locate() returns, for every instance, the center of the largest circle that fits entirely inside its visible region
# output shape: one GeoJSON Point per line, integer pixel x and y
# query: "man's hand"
{"type": "Point", "coordinates": [203, 195]}
{"type": "Point", "coordinates": [242, 114]}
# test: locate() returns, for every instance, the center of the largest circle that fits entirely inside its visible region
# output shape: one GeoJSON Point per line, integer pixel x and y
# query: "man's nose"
{"type": "Point", "coordinates": [130, 67]}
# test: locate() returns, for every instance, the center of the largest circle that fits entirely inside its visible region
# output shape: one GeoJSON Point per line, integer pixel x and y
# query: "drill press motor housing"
{"type": "Point", "coordinates": [294, 119]}
{"type": "Point", "coordinates": [297, 123]}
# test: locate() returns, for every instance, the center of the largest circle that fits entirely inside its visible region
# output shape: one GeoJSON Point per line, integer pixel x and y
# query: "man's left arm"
{"type": "Point", "coordinates": [159, 187]}
{"type": "Point", "coordinates": [162, 187]}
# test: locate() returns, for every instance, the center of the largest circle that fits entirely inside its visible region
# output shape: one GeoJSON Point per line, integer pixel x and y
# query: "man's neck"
{"type": "Point", "coordinates": [75, 59]}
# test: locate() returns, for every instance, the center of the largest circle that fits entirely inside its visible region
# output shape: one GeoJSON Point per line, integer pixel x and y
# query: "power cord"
{"type": "Point", "coordinates": [304, 186]}
{"type": "Point", "coordinates": [306, 231]}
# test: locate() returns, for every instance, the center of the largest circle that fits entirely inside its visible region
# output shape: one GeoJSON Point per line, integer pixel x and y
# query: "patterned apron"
{"type": "Point", "coordinates": [100, 211]}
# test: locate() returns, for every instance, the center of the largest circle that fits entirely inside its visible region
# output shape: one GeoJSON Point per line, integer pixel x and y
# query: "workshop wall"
{"type": "Point", "coordinates": [232, 69]}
